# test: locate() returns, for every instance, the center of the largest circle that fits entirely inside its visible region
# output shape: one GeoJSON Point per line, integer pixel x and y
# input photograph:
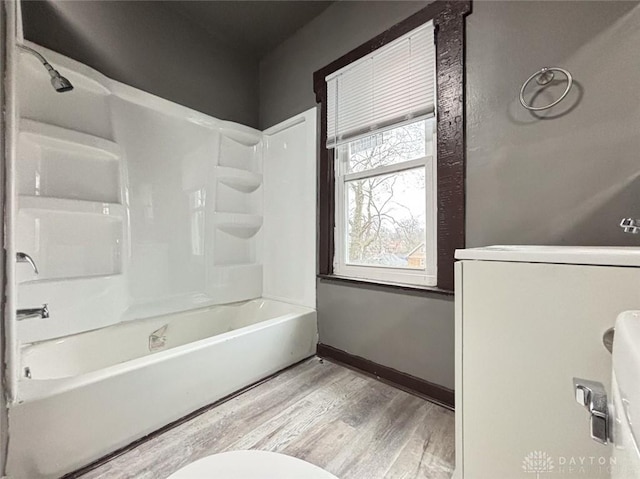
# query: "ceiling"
{"type": "Point", "coordinates": [254, 27]}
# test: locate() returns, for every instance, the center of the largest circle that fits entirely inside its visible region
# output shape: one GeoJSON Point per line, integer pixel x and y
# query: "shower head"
{"type": "Point", "coordinates": [60, 83]}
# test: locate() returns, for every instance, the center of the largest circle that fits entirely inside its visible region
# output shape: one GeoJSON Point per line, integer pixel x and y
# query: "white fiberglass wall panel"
{"type": "Point", "coordinates": [289, 230]}
{"type": "Point", "coordinates": [170, 161]}
{"type": "Point", "coordinates": [183, 231]}
{"type": "Point", "coordinates": [131, 206]}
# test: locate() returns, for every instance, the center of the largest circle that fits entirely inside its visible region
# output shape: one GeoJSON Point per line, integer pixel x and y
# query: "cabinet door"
{"type": "Point", "coordinates": [527, 330]}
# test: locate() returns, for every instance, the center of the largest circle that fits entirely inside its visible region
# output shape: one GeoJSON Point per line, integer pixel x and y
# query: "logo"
{"type": "Point", "coordinates": [537, 462]}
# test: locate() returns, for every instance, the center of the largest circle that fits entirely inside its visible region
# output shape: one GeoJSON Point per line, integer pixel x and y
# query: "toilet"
{"type": "Point", "coordinates": [251, 465]}
{"type": "Point", "coordinates": [611, 422]}
{"type": "Point", "coordinates": [626, 396]}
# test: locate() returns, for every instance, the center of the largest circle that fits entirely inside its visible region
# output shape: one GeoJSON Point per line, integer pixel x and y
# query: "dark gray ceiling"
{"type": "Point", "coordinates": [254, 27]}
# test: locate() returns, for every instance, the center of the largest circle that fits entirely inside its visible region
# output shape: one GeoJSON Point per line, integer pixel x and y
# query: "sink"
{"type": "Point", "coordinates": [596, 255]}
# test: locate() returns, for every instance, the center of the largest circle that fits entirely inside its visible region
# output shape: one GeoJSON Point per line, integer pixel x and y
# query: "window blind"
{"type": "Point", "coordinates": [393, 84]}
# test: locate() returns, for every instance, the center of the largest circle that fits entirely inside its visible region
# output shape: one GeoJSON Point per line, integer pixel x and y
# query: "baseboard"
{"type": "Point", "coordinates": [430, 391]}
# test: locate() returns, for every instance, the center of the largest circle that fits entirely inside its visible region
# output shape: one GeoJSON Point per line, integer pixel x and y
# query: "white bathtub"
{"type": "Point", "coordinates": [92, 393]}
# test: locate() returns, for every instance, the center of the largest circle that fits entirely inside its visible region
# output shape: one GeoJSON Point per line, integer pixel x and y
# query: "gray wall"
{"type": "Point", "coordinates": [150, 46]}
{"type": "Point", "coordinates": [412, 333]}
{"type": "Point", "coordinates": [565, 177]}
{"type": "Point", "coordinates": [286, 73]}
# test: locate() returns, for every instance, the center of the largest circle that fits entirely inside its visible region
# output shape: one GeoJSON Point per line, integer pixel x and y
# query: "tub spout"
{"type": "Point", "coordinates": [25, 258]}
{"type": "Point", "coordinates": [33, 313]}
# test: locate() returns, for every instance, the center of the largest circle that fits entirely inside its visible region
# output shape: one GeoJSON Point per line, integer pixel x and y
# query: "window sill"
{"type": "Point", "coordinates": [407, 288]}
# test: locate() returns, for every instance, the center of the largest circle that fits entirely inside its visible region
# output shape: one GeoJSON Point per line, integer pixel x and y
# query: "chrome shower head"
{"type": "Point", "coordinates": [60, 83]}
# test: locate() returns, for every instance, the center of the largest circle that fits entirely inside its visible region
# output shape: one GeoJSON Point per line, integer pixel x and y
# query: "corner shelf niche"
{"type": "Point", "coordinates": [239, 225]}
{"type": "Point", "coordinates": [241, 180]}
{"type": "Point", "coordinates": [239, 150]}
{"type": "Point", "coordinates": [235, 273]}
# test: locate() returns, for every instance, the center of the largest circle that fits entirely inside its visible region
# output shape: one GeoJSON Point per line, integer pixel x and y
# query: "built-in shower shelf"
{"type": "Point", "coordinates": [43, 203]}
{"type": "Point", "coordinates": [236, 224]}
{"type": "Point", "coordinates": [52, 135]}
{"type": "Point", "coordinates": [240, 149]}
{"type": "Point", "coordinates": [69, 239]}
{"type": "Point", "coordinates": [60, 163]}
{"type": "Point", "coordinates": [241, 180]}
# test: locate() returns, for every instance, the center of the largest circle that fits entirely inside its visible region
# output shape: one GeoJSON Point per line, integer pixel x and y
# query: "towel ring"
{"type": "Point", "coordinates": [543, 77]}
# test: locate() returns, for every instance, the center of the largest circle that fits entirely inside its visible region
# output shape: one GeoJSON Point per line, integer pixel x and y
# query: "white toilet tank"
{"type": "Point", "coordinates": [625, 391]}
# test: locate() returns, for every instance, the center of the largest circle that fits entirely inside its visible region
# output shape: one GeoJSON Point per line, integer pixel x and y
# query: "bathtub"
{"type": "Point", "coordinates": [84, 396]}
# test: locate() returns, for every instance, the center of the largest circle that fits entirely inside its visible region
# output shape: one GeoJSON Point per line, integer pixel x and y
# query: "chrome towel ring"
{"type": "Point", "coordinates": [543, 77]}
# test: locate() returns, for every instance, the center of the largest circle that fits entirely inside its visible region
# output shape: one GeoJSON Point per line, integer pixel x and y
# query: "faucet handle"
{"type": "Point", "coordinates": [630, 225]}
{"type": "Point", "coordinates": [25, 258]}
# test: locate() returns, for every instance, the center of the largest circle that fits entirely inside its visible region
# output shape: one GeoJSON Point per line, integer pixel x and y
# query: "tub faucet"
{"type": "Point", "coordinates": [25, 258]}
{"type": "Point", "coordinates": [33, 313]}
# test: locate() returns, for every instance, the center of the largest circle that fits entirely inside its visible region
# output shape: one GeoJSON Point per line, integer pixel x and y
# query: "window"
{"type": "Point", "coordinates": [385, 206]}
{"type": "Point", "coordinates": [391, 166]}
{"type": "Point", "coordinates": [381, 125]}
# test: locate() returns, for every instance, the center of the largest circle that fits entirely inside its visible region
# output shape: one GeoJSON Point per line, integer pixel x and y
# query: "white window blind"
{"type": "Point", "coordinates": [393, 84]}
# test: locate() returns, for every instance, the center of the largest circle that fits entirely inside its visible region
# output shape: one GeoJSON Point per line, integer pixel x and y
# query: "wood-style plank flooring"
{"type": "Point", "coordinates": [347, 423]}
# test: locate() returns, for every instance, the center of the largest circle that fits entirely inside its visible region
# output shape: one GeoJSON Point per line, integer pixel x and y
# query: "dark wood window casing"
{"type": "Point", "coordinates": [449, 23]}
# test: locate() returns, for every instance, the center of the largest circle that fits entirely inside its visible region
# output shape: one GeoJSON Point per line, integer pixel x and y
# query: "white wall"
{"type": "Point", "coordinates": [289, 232]}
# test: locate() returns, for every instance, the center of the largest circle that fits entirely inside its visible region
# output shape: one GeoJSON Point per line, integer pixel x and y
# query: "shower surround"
{"type": "Point", "coordinates": [176, 253]}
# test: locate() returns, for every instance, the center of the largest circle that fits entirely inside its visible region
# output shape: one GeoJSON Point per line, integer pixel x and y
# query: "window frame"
{"type": "Point", "coordinates": [449, 23]}
{"type": "Point", "coordinates": [408, 276]}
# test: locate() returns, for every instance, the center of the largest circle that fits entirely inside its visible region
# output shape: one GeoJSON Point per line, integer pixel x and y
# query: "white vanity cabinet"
{"type": "Point", "coordinates": [528, 320]}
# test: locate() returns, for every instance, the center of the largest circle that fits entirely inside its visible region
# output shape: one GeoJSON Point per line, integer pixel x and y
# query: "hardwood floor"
{"type": "Point", "coordinates": [347, 423]}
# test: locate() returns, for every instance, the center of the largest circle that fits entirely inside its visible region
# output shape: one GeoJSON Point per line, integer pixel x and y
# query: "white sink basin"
{"type": "Point", "coordinates": [597, 255]}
